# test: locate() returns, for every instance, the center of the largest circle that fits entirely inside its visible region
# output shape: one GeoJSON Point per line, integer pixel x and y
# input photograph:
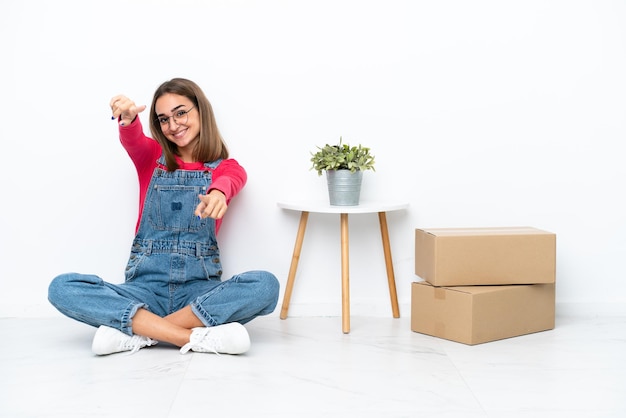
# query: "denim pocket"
{"type": "Point", "coordinates": [173, 208]}
{"type": "Point", "coordinates": [134, 262]}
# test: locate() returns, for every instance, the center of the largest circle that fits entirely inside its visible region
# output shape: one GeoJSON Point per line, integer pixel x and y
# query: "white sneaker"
{"type": "Point", "coordinates": [231, 338]}
{"type": "Point", "coordinates": [110, 340]}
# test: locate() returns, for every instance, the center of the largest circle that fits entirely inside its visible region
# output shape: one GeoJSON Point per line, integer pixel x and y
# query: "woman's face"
{"type": "Point", "coordinates": [180, 122]}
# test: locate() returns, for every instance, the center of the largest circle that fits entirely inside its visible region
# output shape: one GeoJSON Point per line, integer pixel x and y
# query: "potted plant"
{"type": "Point", "coordinates": [344, 166]}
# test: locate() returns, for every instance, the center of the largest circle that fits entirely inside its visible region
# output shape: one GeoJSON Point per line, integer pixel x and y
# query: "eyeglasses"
{"type": "Point", "coordinates": [180, 117]}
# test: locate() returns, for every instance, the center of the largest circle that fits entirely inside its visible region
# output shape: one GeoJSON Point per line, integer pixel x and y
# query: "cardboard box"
{"type": "Point", "coordinates": [478, 314]}
{"type": "Point", "coordinates": [485, 256]}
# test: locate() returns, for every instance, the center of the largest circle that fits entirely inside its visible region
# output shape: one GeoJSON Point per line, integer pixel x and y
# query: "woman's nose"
{"type": "Point", "coordinates": [171, 121]}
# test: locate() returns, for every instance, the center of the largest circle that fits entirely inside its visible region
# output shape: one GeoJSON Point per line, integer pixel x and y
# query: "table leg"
{"type": "Point", "coordinates": [345, 275]}
{"type": "Point", "coordinates": [294, 264]}
{"type": "Point", "coordinates": [382, 217]}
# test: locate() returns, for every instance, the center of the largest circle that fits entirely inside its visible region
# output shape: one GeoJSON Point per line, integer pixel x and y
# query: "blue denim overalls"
{"type": "Point", "coordinates": [174, 262]}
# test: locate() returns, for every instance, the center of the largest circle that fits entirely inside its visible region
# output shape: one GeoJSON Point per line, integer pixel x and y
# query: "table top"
{"type": "Point", "coordinates": [364, 206]}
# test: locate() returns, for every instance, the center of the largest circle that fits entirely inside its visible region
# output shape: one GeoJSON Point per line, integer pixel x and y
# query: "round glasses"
{"type": "Point", "coordinates": [179, 117]}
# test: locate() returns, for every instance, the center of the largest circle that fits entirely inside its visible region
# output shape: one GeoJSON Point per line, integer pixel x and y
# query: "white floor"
{"type": "Point", "coordinates": [306, 367]}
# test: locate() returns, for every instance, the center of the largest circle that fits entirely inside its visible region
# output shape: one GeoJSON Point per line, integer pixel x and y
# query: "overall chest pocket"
{"type": "Point", "coordinates": [172, 208]}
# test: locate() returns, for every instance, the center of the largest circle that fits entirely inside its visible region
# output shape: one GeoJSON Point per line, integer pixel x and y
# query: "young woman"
{"type": "Point", "coordinates": [173, 290]}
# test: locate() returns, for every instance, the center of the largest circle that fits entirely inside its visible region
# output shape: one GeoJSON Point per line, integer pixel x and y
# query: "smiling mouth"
{"type": "Point", "coordinates": [180, 134]}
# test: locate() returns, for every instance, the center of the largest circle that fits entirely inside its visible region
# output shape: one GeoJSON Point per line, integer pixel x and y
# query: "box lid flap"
{"type": "Point", "coordinates": [516, 230]}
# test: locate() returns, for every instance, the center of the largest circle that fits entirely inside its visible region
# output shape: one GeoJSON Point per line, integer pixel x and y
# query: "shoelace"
{"type": "Point", "coordinates": [202, 336]}
{"type": "Point", "coordinates": [136, 342]}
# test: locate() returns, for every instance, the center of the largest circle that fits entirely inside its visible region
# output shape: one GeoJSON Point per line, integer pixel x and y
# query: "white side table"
{"type": "Point", "coordinates": [306, 207]}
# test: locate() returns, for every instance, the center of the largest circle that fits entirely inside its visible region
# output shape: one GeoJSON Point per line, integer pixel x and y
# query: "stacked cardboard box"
{"type": "Point", "coordinates": [483, 284]}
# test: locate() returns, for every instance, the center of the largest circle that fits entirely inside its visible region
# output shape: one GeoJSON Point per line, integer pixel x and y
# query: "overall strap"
{"type": "Point", "coordinates": [161, 162]}
{"type": "Point", "coordinates": [213, 164]}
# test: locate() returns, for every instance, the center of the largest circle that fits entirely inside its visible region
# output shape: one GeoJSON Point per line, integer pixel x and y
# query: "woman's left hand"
{"type": "Point", "coordinates": [212, 205]}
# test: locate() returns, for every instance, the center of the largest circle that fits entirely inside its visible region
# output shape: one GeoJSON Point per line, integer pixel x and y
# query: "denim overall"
{"type": "Point", "coordinates": [174, 262]}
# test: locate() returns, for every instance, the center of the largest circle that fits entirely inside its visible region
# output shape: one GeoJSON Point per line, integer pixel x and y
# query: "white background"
{"type": "Point", "coordinates": [479, 113]}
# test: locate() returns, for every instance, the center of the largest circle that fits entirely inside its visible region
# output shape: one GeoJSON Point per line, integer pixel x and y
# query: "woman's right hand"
{"type": "Point", "coordinates": [125, 109]}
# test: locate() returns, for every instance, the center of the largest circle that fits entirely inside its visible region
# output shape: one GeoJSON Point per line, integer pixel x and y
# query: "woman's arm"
{"type": "Point", "coordinates": [229, 178]}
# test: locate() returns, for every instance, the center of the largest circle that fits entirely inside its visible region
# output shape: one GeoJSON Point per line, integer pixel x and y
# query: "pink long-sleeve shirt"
{"type": "Point", "coordinates": [229, 177]}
